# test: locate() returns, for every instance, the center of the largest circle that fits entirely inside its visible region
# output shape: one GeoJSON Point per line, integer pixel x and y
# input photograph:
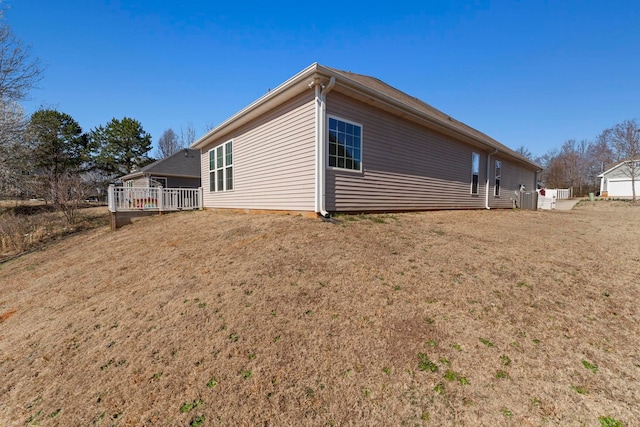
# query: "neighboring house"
{"type": "Point", "coordinates": [333, 141]}
{"type": "Point", "coordinates": [180, 170]}
{"type": "Point", "coordinates": [615, 181]}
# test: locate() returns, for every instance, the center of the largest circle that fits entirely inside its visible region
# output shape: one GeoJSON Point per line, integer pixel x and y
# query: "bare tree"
{"type": "Point", "coordinates": [552, 175]}
{"type": "Point", "coordinates": [569, 167]}
{"type": "Point", "coordinates": [15, 152]}
{"type": "Point", "coordinates": [524, 152]}
{"type": "Point", "coordinates": [68, 194]}
{"type": "Point", "coordinates": [187, 136]}
{"type": "Point", "coordinates": [168, 144]}
{"type": "Point", "coordinates": [601, 156]}
{"type": "Point", "coordinates": [625, 140]}
{"type": "Point", "coordinates": [18, 72]}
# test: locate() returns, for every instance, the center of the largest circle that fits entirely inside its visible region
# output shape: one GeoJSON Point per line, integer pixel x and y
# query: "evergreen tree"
{"type": "Point", "coordinates": [121, 146]}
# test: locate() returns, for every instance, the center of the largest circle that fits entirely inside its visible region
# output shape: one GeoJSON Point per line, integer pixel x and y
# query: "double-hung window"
{"type": "Point", "coordinates": [345, 144]}
{"type": "Point", "coordinates": [221, 167]}
{"type": "Point", "coordinates": [498, 175]}
{"type": "Point", "coordinates": [475, 172]}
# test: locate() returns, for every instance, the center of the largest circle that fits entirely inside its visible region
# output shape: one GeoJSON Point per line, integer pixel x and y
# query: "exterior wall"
{"type": "Point", "coordinates": [142, 181]}
{"type": "Point", "coordinates": [617, 183]}
{"type": "Point", "coordinates": [178, 182]}
{"type": "Point", "coordinates": [513, 175]}
{"type": "Point", "coordinates": [410, 167]}
{"type": "Point", "coordinates": [273, 161]}
{"type": "Point", "coordinates": [172, 181]}
{"type": "Point", "coordinates": [621, 172]}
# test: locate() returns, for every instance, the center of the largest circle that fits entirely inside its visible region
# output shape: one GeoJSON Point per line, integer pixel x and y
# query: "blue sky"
{"type": "Point", "coordinates": [528, 73]}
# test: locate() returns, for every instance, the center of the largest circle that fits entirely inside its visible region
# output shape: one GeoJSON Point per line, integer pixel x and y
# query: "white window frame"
{"type": "Point", "coordinates": [157, 179]}
{"type": "Point", "coordinates": [328, 142]}
{"type": "Point", "coordinates": [475, 172]}
{"type": "Point", "coordinates": [223, 180]}
{"type": "Point", "coordinates": [497, 171]}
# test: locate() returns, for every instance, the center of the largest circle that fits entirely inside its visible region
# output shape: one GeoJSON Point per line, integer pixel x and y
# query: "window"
{"type": "Point", "coordinates": [221, 167]}
{"type": "Point", "coordinates": [475, 172]}
{"type": "Point", "coordinates": [159, 182]}
{"type": "Point", "coordinates": [498, 174]}
{"type": "Point", "coordinates": [345, 145]}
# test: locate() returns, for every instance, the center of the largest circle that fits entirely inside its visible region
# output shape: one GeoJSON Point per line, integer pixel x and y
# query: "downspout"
{"type": "Point", "coordinates": [486, 197]}
{"type": "Point", "coordinates": [321, 146]}
{"type": "Point", "coordinates": [315, 85]}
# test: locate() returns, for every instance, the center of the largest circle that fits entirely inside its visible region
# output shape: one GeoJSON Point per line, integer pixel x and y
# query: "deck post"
{"type": "Point", "coordinates": [160, 198]}
{"type": "Point", "coordinates": [200, 201]}
{"type": "Point", "coordinates": [111, 198]}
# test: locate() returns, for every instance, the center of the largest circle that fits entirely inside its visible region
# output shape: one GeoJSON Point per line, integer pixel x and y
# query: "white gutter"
{"type": "Point", "coordinates": [321, 146]}
{"type": "Point", "coordinates": [486, 197]}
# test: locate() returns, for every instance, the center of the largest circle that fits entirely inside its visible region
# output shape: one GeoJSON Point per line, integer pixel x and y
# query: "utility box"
{"type": "Point", "coordinates": [529, 200]}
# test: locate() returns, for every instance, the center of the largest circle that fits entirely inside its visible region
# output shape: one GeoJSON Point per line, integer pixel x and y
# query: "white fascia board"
{"type": "Point", "coordinates": [261, 105]}
{"type": "Point", "coordinates": [613, 168]}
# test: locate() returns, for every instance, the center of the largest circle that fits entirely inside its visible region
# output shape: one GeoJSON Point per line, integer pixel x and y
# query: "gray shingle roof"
{"type": "Point", "coordinates": [424, 108]}
{"type": "Point", "coordinates": [368, 89]}
{"type": "Point", "coordinates": [184, 163]}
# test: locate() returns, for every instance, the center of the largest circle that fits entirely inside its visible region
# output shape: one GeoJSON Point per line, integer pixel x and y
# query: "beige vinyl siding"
{"type": "Point", "coordinates": [621, 172]}
{"type": "Point", "coordinates": [273, 161]}
{"type": "Point", "coordinates": [512, 176]}
{"type": "Point", "coordinates": [405, 166]}
{"type": "Point", "coordinates": [142, 181]}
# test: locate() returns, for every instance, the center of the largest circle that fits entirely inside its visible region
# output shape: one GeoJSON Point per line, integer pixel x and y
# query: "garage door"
{"type": "Point", "coordinates": [621, 188]}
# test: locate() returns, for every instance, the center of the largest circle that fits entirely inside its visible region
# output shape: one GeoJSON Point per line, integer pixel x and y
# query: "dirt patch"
{"type": "Point", "coordinates": [8, 314]}
{"type": "Point", "coordinates": [443, 318]}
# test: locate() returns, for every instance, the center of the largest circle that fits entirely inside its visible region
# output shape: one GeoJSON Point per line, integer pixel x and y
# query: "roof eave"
{"type": "Point", "coordinates": [293, 87]}
{"type": "Point", "coordinates": [417, 115]}
{"type": "Point", "coordinates": [280, 94]}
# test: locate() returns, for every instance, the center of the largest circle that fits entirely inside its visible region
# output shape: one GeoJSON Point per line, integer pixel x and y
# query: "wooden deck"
{"type": "Point", "coordinates": [127, 199]}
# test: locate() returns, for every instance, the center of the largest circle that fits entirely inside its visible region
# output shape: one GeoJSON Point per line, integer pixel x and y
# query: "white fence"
{"type": "Point", "coordinates": [558, 193]}
{"type": "Point", "coordinates": [548, 201]}
{"type": "Point", "coordinates": [122, 199]}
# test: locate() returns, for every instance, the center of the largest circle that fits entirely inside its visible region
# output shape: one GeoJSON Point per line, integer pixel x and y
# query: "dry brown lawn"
{"type": "Point", "coordinates": [472, 318]}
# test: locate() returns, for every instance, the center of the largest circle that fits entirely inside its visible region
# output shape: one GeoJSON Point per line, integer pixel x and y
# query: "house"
{"type": "Point", "coordinates": [329, 141]}
{"type": "Point", "coordinates": [616, 180]}
{"type": "Point", "coordinates": [180, 170]}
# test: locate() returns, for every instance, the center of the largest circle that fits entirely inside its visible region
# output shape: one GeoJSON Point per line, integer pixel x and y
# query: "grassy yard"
{"type": "Point", "coordinates": [471, 318]}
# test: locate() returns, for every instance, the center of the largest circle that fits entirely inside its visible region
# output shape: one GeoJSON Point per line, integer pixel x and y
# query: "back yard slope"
{"type": "Point", "coordinates": [439, 318]}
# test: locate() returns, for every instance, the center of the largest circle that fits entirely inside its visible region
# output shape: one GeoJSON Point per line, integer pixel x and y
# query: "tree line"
{"type": "Point", "coordinates": [577, 164]}
{"type": "Point", "coordinates": [47, 155]}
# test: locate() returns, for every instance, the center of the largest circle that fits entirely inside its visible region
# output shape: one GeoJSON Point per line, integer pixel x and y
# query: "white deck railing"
{"type": "Point", "coordinates": [153, 199]}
